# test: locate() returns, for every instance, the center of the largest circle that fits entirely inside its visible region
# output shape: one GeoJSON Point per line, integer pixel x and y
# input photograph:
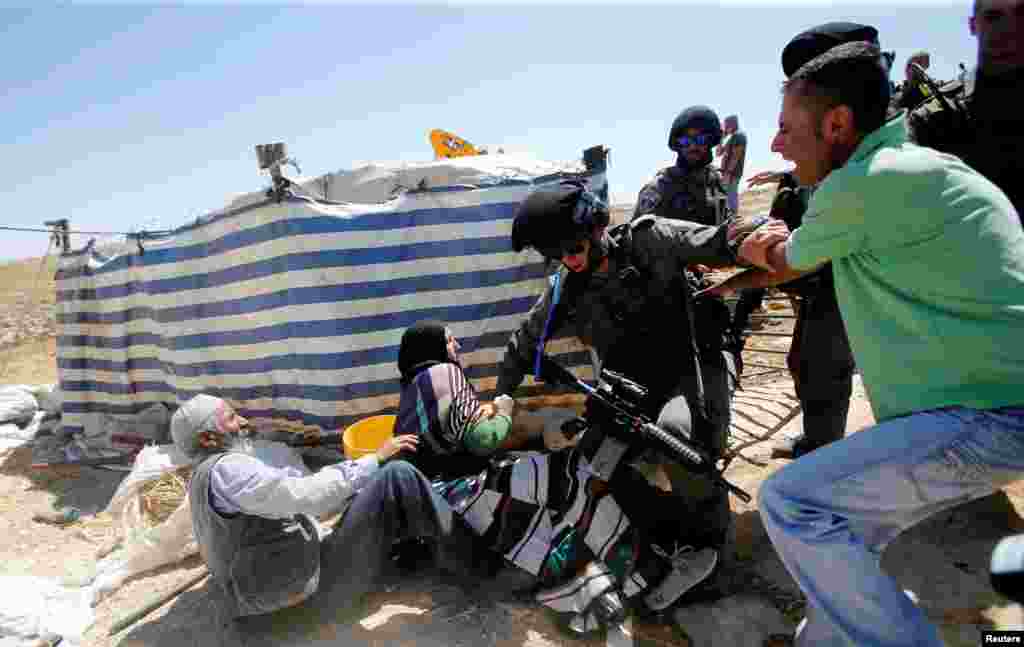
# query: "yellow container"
{"type": "Point", "coordinates": [367, 435]}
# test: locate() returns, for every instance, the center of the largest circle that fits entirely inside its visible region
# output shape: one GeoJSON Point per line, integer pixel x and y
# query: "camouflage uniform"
{"type": "Point", "coordinates": [636, 318]}
{"type": "Point", "coordinates": [694, 195]}
{"type": "Point", "coordinates": [697, 195]}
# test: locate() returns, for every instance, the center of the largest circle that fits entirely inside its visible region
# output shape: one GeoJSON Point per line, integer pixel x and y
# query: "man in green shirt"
{"type": "Point", "coordinates": [928, 263]}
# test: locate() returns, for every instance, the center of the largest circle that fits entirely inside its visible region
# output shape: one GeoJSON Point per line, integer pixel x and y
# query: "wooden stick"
{"type": "Point", "coordinates": [154, 602]}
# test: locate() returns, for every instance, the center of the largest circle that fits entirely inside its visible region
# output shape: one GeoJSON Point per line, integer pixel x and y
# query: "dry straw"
{"type": "Point", "coordinates": [160, 497]}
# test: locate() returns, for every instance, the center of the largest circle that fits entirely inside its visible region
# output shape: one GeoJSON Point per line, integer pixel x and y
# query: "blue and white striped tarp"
{"type": "Point", "coordinates": [293, 311]}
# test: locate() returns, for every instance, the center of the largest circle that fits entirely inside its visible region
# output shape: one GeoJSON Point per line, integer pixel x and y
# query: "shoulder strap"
{"type": "Point", "coordinates": [625, 245]}
{"type": "Point", "coordinates": [556, 296]}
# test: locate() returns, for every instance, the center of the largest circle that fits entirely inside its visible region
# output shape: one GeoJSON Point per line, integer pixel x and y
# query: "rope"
{"type": "Point", "coordinates": [135, 234]}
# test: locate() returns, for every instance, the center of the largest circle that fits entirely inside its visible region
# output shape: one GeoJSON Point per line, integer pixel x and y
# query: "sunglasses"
{"type": "Point", "coordinates": [700, 140]}
{"type": "Point", "coordinates": [568, 249]}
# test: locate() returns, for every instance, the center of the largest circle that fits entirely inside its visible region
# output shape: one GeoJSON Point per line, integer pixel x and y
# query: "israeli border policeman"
{"type": "Point", "coordinates": [820, 358]}
{"type": "Point", "coordinates": [691, 189]}
{"type": "Point", "coordinates": [979, 118]}
{"type": "Point", "coordinates": [623, 292]}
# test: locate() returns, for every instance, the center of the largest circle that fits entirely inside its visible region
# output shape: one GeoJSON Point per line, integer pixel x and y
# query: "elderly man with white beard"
{"type": "Point", "coordinates": [254, 510]}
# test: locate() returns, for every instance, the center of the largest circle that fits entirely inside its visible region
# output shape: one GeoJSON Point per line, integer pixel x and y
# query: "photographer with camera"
{"type": "Point", "coordinates": [623, 292]}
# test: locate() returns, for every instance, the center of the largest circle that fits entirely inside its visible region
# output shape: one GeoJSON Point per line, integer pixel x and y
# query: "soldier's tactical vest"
{"type": "Point", "coordinates": [655, 316]}
{"type": "Point", "coordinates": [697, 196]}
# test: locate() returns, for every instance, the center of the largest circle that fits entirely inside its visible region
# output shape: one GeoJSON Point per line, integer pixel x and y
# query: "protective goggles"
{"type": "Point", "coordinates": [703, 139]}
{"type": "Point", "coordinates": [567, 248]}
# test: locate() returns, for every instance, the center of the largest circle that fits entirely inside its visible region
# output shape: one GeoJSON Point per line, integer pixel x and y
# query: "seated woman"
{"type": "Point", "coordinates": [457, 431]}
{"type": "Point", "coordinates": [549, 514]}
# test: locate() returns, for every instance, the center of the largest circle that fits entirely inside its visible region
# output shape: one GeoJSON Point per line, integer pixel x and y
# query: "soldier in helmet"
{"type": "Point", "coordinates": [691, 189]}
{"type": "Point", "coordinates": [623, 292]}
{"type": "Point", "coordinates": [979, 119]}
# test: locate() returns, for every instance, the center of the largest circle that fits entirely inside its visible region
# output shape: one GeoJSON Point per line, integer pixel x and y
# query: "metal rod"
{"type": "Point", "coordinates": [770, 334]}
{"type": "Point", "coordinates": [765, 350]}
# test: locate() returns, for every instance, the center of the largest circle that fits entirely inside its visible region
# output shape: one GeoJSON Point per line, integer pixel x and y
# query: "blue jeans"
{"type": "Point", "coordinates": [831, 513]}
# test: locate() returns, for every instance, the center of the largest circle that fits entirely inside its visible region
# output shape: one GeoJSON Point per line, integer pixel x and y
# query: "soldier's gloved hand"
{"type": "Point", "coordinates": [505, 404]}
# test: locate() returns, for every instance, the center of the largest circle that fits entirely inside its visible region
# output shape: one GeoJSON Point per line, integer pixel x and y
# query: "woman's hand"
{"type": "Point", "coordinates": [396, 444]}
{"type": "Point", "coordinates": [505, 404]}
{"type": "Point", "coordinates": [502, 404]}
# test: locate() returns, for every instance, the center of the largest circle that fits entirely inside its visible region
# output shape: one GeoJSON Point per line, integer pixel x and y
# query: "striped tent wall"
{"type": "Point", "coordinates": [294, 310]}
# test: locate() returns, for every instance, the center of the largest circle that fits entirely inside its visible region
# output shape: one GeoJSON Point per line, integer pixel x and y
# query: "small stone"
{"type": "Point", "coordinates": [739, 620]}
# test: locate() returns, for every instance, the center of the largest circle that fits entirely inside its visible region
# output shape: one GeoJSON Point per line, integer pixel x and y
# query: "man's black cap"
{"type": "Point", "coordinates": [814, 42]}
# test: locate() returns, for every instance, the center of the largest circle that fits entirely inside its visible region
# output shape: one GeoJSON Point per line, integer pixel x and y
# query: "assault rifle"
{"type": "Point", "coordinates": [615, 404]}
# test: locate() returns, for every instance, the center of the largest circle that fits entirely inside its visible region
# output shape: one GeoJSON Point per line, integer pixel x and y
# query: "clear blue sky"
{"type": "Point", "coordinates": [127, 116]}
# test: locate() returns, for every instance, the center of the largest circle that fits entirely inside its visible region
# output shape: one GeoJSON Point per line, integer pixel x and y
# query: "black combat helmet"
{"type": "Point", "coordinates": [704, 119]}
{"type": "Point", "coordinates": [701, 117]}
{"type": "Point", "coordinates": [554, 217]}
{"type": "Point", "coordinates": [812, 43]}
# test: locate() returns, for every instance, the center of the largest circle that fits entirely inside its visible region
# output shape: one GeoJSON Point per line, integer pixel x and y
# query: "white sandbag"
{"type": "Point", "coordinates": [14, 435]}
{"type": "Point", "coordinates": [48, 397]}
{"type": "Point", "coordinates": [151, 463]}
{"type": "Point", "coordinates": [37, 607]}
{"type": "Point", "coordinates": [145, 549]}
{"type": "Point", "coordinates": [17, 404]}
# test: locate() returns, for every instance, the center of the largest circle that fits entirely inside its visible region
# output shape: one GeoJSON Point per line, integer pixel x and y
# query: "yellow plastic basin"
{"type": "Point", "coordinates": [367, 435]}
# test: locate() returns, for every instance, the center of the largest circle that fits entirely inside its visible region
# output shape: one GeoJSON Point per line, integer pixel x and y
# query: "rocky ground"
{"type": "Point", "coordinates": [945, 559]}
{"type": "Point", "coordinates": [27, 302]}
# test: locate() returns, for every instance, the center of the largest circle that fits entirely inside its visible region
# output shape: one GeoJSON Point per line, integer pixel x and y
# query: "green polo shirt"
{"type": "Point", "coordinates": [928, 260]}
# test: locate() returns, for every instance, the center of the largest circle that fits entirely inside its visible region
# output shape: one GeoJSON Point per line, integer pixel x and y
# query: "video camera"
{"type": "Point", "coordinates": [615, 406]}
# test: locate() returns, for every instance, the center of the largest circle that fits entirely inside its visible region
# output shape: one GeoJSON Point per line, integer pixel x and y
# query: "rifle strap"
{"type": "Point", "coordinates": [625, 243]}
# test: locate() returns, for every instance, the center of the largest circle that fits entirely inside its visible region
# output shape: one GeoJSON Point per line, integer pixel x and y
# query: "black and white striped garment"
{"type": "Point", "coordinates": [533, 507]}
